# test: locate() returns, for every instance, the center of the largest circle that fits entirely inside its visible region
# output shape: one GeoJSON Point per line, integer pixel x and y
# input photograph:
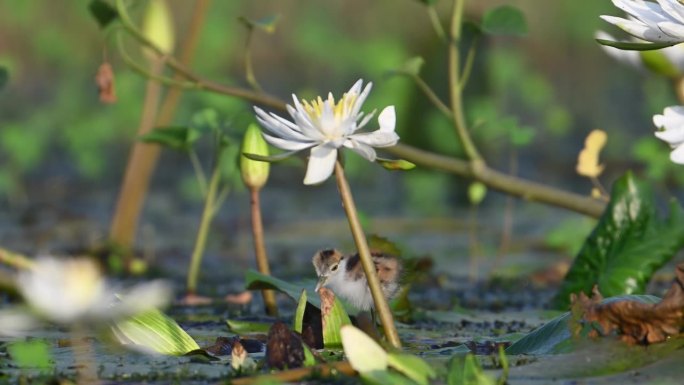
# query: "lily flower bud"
{"type": "Point", "coordinates": [254, 172]}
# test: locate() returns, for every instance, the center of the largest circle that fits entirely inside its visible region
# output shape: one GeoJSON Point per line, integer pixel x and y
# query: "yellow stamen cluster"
{"type": "Point", "coordinates": [341, 109]}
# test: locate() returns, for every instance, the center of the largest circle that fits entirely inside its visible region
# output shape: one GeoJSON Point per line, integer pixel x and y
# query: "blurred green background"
{"type": "Point", "coordinates": [532, 99]}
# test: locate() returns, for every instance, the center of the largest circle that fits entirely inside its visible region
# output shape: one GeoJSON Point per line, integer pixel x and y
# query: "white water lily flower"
{"type": "Point", "coordinates": [661, 22]}
{"type": "Point", "coordinates": [326, 125]}
{"type": "Point", "coordinates": [65, 291]}
{"type": "Point", "coordinates": [672, 124]}
{"type": "Point", "coordinates": [673, 55]}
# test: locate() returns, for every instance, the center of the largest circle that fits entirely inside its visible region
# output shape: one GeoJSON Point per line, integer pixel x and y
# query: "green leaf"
{"type": "Point", "coordinates": [154, 331]}
{"type": "Point", "coordinates": [627, 246]}
{"type": "Point", "coordinates": [271, 158]}
{"type": "Point", "coordinates": [177, 138]}
{"type": "Point", "coordinates": [247, 327]}
{"type": "Point", "coordinates": [412, 367]}
{"type": "Point", "coordinates": [504, 20]}
{"type": "Point", "coordinates": [309, 358]}
{"type": "Point", "coordinates": [4, 77]}
{"type": "Point", "coordinates": [395, 164]}
{"type": "Point", "coordinates": [555, 337]}
{"type": "Point", "coordinates": [634, 46]}
{"type": "Point", "coordinates": [267, 23]}
{"type": "Point", "coordinates": [258, 281]}
{"type": "Point", "coordinates": [384, 377]}
{"type": "Point", "coordinates": [412, 66]}
{"type": "Point", "coordinates": [31, 354]}
{"type": "Point", "coordinates": [299, 313]}
{"type": "Point", "coordinates": [363, 353]}
{"type": "Point", "coordinates": [102, 12]}
{"type": "Point", "coordinates": [466, 370]}
{"type": "Point", "coordinates": [522, 136]}
{"type": "Point", "coordinates": [333, 317]}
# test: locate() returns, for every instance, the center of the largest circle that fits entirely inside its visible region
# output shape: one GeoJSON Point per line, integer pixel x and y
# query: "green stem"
{"type": "Point", "coordinates": [199, 172]}
{"type": "Point", "coordinates": [249, 68]}
{"type": "Point", "coordinates": [432, 97]}
{"type": "Point", "coordinates": [260, 251]}
{"type": "Point", "coordinates": [455, 87]}
{"type": "Point", "coordinates": [468, 67]}
{"type": "Point", "coordinates": [15, 260]}
{"type": "Point", "coordinates": [203, 231]}
{"type": "Point", "coordinates": [366, 260]}
{"type": "Point", "coordinates": [436, 24]}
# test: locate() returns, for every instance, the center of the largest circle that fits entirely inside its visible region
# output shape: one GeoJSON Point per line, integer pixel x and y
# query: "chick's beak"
{"type": "Point", "coordinates": [321, 282]}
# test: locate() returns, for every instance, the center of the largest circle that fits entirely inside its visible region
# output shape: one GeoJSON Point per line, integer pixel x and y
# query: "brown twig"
{"type": "Point", "coordinates": [294, 375]}
{"type": "Point", "coordinates": [260, 251]}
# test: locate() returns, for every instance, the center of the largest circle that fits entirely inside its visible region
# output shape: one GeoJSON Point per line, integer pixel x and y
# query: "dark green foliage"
{"type": "Point", "coordinates": [102, 12]}
{"type": "Point", "coordinates": [4, 77]}
{"type": "Point", "coordinates": [177, 138]}
{"type": "Point", "coordinates": [504, 20]}
{"type": "Point", "coordinates": [627, 246]}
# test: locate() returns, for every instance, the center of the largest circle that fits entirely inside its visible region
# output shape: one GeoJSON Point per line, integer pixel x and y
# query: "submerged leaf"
{"type": "Point", "coordinates": [627, 246]}
{"type": "Point", "coordinates": [155, 332]}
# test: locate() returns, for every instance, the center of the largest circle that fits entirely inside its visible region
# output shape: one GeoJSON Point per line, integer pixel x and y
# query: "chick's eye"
{"type": "Point", "coordinates": [334, 268]}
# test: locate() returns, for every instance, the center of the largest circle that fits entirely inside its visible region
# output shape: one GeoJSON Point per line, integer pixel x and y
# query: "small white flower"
{"type": "Point", "coordinates": [324, 126]}
{"type": "Point", "coordinates": [635, 59]}
{"type": "Point", "coordinates": [65, 291]}
{"type": "Point", "coordinates": [661, 22]}
{"type": "Point", "coordinates": [672, 124]}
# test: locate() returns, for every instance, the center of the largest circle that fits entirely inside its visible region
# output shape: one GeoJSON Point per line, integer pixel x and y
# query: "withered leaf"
{"type": "Point", "coordinates": [284, 348]}
{"type": "Point", "coordinates": [105, 83]}
{"type": "Point", "coordinates": [636, 322]}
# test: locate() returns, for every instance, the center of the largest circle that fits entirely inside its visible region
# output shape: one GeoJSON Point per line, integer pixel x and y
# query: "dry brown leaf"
{"type": "Point", "coordinates": [105, 83]}
{"type": "Point", "coordinates": [284, 348]}
{"type": "Point", "coordinates": [636, 322]}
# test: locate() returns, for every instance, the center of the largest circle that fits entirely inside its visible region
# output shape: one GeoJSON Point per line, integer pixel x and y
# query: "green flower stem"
{"type": "Point", "coordinates": [260, 251]}
{"type": "Point", "coordinates": [15, 260]}
{"type": "Point", "coordinates": [436, 24]}
{"type": "Point", "coordinates": [379, 299]}
{"type": "Point", "coordinates": [249, 68]}
{"type": "Point", "coordinates": [207, 215]}
{"type": "Point", "coordinates": [455, 87]}
{"type": "Point", "coordinates": [432, 96]}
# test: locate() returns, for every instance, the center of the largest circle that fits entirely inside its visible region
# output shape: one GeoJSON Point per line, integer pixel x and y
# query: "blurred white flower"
{"type": "Point", "coordinates": [672, 124]}
{"type": "Point", "coordinates": [66, 291]}
{"type": "Point", "coordinates": [661, 22]}
{"type": "Point", "coordinates": [326, 125]}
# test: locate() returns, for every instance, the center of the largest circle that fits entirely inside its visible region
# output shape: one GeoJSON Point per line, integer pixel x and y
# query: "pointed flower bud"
{"type": "Point", "coordinates": [158, 28]}
{"type": "Point", "coordinates": [254, 172]}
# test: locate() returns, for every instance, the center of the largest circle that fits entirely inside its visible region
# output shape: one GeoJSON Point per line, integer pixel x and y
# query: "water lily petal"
{"type": "Point", "coordinates": [288, 145]}
{"type": "Point", "coordinates": [366, 151]}
{"type": "Point", "coordinates": [674, 30]}
{"type": "Point", "coordinates": [674, 136]}
{"type": "Point", "coordinates": [631, 58]}
{"type": "Point", "coordinates": [672, 117]}
{"type": "Point", "coordinates": [321, 164]}
{"type": "Point", "coordinates": [674, 9]}
{"type": "Point", "coordinates": [377, 138]}
{"type": "Point", "coordinates": [146, 296]}
{"type": "Point", "coordinates": [387, 119]}
{"type": "Point", "coordinates": [358, 102]}
{"type": "Point", "coordinates": [275, 125]}
{"type": "Point", "coordinates": [639, 29]}
{"type": "Point", "coordinates": [677, 155]}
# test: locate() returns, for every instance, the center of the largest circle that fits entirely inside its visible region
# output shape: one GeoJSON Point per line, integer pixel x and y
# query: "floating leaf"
{"type": "Point", "coordinates": [177, 138]}
{"type": "Point", "coordinates": [627, 246]}
{"type": "Point", "coordinates": [634, 46]}
{"type": "Point", "coordinates": [504, 20]}
{"type": "Point", "coordinates": [412, 367]}
{"type": "Point", "coordinates": [247, 327]}
{"type": "Point", "coordinates": [154, 331]}
{"type": "Point", "coordinates": [4, 77]}
{"type": "Point", "coordinates": [363, 353]}
{"type": "Point", "coordinates": [102, 12]}
{"type": "Point", "coordinates": [395, 164]}
{"type": "Point", "coordinates": [31, 354]}
{"type": "Point", "coordinates": [333, 317]}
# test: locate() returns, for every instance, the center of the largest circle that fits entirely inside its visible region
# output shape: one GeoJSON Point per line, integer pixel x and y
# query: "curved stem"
{"type": "Point", "coordinates": [432, 96]}
{"type": "Point", "coordinates": [455, 86]}
{"type": "Point", "coordinates": [15, 260]}
{"type": "Point", "coordinates": [436, 23]}
{"type": "Point", "coordinates": [468, 67]}
{"type": "Point", "coordinates": [366, 260]}
{"type": "Point", "coordinates": [517, 186]}
{"type": "Point", "coordinates": [249, 68]}
{"type": "Point", "coordinates": [199, 172]}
